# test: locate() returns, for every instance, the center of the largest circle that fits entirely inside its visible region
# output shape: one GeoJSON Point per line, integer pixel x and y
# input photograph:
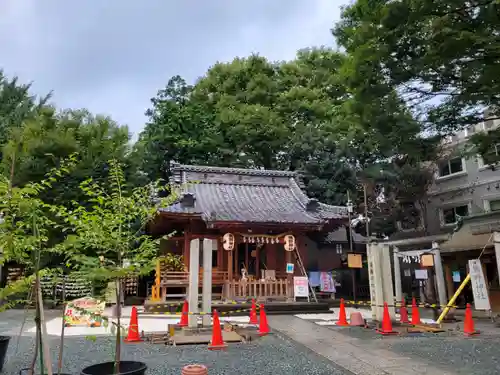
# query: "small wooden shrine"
{"type": "Point", "coordinates": [257, 220]}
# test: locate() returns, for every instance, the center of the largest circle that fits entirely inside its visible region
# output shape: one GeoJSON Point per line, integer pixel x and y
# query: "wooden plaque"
{"type": "Point", "coordinates": [427, 260]}
{"type": "Point", "coordinates": [354, 261]}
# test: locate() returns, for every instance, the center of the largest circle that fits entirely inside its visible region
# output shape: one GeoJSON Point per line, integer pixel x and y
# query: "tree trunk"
{"type": "Point", "coordinates": [118, 327]}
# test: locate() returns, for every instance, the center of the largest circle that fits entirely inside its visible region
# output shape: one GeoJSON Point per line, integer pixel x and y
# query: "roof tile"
{"type": "Point", "coordinates": [220, 197]}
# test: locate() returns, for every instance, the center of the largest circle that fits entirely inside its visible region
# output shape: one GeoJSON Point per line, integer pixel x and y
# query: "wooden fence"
{"type": "Point", "coordinates": [171, 278]}
{"type": "Point", "coordinates": [260, 289]}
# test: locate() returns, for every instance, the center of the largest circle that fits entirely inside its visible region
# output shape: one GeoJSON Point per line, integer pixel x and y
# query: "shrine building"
{"type": "Point", "coordinates": [259, 212]}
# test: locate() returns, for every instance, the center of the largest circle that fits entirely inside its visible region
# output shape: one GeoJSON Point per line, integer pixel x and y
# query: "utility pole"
{"type": "Point", "coordinates": [350, 210]}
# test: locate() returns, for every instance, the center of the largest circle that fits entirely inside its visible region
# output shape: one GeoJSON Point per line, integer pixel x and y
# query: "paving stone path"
{"type": "Point", "coordinates": [349, 352]}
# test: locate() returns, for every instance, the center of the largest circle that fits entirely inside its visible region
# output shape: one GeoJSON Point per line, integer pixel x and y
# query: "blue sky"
{"type": "Point", "coordinates": [112, 56]}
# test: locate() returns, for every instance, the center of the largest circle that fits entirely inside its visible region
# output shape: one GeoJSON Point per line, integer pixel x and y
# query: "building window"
{"type": "Point", "coordinates": [451, 167]}
{"type": "Point", "coordinates": [491, 157]}
{"type": "Point", "coordinates": [450, 215]}
{"type": "Point", "coordinates": [495, 205]}
{"type": "Point", "coordinates": [492, 205]}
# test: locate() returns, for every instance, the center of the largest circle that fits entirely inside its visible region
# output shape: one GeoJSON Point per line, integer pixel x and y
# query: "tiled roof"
{"type": "Point", "coordinates": [247, 195]}
{"type": "Point", "coordinates": [340, 235]}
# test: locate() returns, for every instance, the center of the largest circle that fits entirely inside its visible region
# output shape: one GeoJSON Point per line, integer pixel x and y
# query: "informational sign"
{"type": "Point", "coordinates": [456, 277]}
{"type": "Point", "coordinates": [407, 273]}
{"type": "Point", "coordinates": [300, 286]}
{"type": "Point", "coordinates": [427, 260]}
{"type": "Point", "coordinates": [326, 283]}
{"type": "Point", "coordinates": [354, 261]}
{"type": "Point", "coordinates": [421, 274]}
{"type": "Point", "coordinates": [289, 268]}
{"type": "Point", "coordinates": [83, 311]}
{"type": "Point", "coordinates": [479, 288]}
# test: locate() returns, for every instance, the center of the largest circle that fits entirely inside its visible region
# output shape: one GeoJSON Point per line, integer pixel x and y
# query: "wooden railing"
{"type": "Point", "coordinates": [172, 278]}
{"type": "Point", "coordinates": [260, 289]}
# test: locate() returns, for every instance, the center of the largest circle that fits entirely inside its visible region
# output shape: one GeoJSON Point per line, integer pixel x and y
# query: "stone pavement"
{"type": "Point", "coordinates": [348, 352]}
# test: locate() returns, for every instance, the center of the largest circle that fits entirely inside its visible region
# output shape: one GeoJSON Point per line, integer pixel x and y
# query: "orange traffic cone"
{"type": "Point", "coordinates": [133, 328]}
{"type": "Point", "coordinates": [403, 313]}
{"type": "Point", "coordinates": [263, 326]}
{"type": "Point", "coordinates": [468, 322]}
{"type": "Point", "coordinates": [184, 314]}
{"type": "Point", "coordinates": [415, 314]}
{"type": "Point", "coordinates": [342, 315]}
{"type": "Point", "coordinates": [253, 313]}
{"type": "Point", "coordinates": [217, 343]}
{"type": "Point", "coordinates": [386, 323]}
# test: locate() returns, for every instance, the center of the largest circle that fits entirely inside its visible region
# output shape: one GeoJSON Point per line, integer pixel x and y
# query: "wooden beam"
{"type": "Point", "coordinates": [185, 251]}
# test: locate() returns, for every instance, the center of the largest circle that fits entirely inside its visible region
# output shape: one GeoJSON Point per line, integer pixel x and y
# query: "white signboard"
{"type": "Point", "coordinates": [479, 288]}
{"type": "Point", "coordinates": [421, 274]}
{"type": "Point", "coordinates": [300, 286]}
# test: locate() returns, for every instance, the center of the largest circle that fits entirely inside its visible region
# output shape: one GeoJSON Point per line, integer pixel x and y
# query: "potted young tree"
{"type": "Point", "coordinates": [24, 239]}
{"type": "Point", "coordinates": [109, 242]}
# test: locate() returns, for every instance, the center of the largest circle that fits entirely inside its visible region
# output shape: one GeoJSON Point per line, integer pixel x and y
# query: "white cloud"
{"type": "Point", "coordinates": [112, 56]}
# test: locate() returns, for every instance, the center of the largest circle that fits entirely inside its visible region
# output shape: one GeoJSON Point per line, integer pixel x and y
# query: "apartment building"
{"type": "Point", "coordinates": [464, 186]}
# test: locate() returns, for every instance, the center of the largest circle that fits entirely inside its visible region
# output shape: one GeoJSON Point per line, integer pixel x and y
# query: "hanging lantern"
{"type": "Point", "coordinates": [289, 242]}
{"type": "Point", "coordinates": [228, 241]}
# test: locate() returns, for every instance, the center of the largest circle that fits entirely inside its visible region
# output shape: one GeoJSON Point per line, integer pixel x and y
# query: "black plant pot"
{"type": "Point", "coordinates": [108, 368]}
{"type": "Point", "coordinates": [4, 344]}
{"type": "Point", "coordinates": [26, 371]}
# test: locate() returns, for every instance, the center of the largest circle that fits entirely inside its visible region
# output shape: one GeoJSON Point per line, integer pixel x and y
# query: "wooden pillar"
{"type": "Point", "coordinates": [185, 250]}
{"type": "Point", "coordinates": [235, 265]}
{"type": "Point", "coordinates": [289, 276]}
{"type": "Point", "coordinates": [230, 264]}
{"type": "Point", "coordinates": [246, 256]}
{"type": "Point", "coordinates": [301, 249]}
{"type": "Point", "coordinates": [257, 262]}
{"type": "Point", "coordinates": [155, 289]}
{"type": "Point", "coordinates": [271, 256]}
{"type": "Point", "coordinates": [220, 255]}
{"type": "Point", "coordinates": [450, 288]}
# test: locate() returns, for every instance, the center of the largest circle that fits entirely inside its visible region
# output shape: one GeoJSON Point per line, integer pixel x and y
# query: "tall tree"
{"type": "Point", "coordinates": [17, 105]}
{"type": "Point", "coordinates": [35, 148]}
{"type": "Point", "coordinates": [443, 57]}
{"type": "Point", "coordinates": [297, 115]}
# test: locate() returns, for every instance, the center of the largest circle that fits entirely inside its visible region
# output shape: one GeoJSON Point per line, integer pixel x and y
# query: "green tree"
{"type": "Point", "coordinates": [443, 58]}
{"type": "Point", "coordinates": [17, 105]}
{"type": "Point", "coordinates": [108, 237]}
{"type": "Point", "coordinates": [49, 136]}
{"type": "Point", "coordinates": [304, 115]}
{"type": "Point", "coordinates": [25, 227]}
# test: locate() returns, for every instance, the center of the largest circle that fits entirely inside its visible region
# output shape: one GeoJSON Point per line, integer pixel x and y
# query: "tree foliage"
{"type": "Point", "coordinates": [442, 57]}
{"type": "Point", "coordinates": [50, 136]}
{"type": "Point", "coordinates": [107, 238]}
{"type": "Point", "coordinates": [306, 115]}
{"type": "Point", "coordinates": [17, 105]}
{"type": "Point", "coordinates": [26, 226]}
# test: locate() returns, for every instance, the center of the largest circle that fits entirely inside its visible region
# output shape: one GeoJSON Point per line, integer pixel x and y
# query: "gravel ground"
{"type": "Point", "coordinates": [449, 350]}
{"type": "Point", "coordinates": [270, 355]}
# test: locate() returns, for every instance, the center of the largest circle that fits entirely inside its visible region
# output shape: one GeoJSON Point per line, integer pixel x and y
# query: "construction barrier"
{"type": "Point", "coordinates": [175, 304]}
{"type": "Point", "coordinates": [198, 313]}
{"type": "Point", "coordinates": [400, 304]}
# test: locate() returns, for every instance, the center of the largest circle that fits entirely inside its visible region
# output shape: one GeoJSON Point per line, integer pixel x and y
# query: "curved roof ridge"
{"type": "Point", "coordinates": [300, 195]}
{"type": "Point", "coordinates": [326, 210]}
{"type": "Point", "coordinates": [229, 170]}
